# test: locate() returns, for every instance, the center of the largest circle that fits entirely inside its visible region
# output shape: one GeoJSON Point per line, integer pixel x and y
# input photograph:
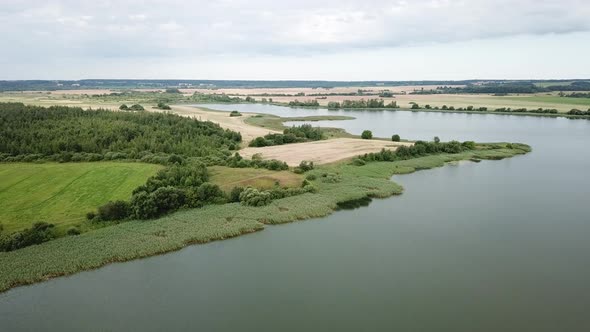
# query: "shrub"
{"type": "Point", "coordinates": [331, 178]}
{"type": "Point", "coordinates": [415, 106]}
{"type": "Point", "coordinates": [124, 107]}
{"type": "Point", "coordinates": [90, 215]}
{"type": "Point", "coordinates": [116, 210]}
{"type": "Point", "coordinates": [209, 193]}
{"type": "Point", "coordinates": [395, 138]}
{"type": "Point", "coordinates": [306, 166]}
{"type": "Point", "coordinates": [175, 159]}
{"type": "Point", "coordinates": [163, 106]}
{"type": "Point", "coordinates": [367, 134]}
{"type": "Point", "coordinates": [436, 139]}
{"type": "Point", "coordinates": [136, 107]}
{"type": "Point", "coordinates": [1, 228]}
{"type": "Point", "coordinates": [40, 232]}
{"type": "Point", "coordinates": [253, 197]}
{"type": "Point", "coordinates": [311, 177]}
{"type": "Point", "coordinates": [469, 145]}
{"type": "Point", "coordinates": [234, 195]}
{"type": "Point", "coordinates": [73, 231]}
{"type": "Point", "coordinates": [358, 162]}
{"type": "Point", "coordinates": [235, 113]}
{"type": "Point", "coordinates": [143, 206]}
{"type": "Point", "coordinates": [168, 198]}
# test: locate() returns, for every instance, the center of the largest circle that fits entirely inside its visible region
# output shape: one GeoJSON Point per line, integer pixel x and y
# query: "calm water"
{"type": "Point", "coordinates": [493, 246]}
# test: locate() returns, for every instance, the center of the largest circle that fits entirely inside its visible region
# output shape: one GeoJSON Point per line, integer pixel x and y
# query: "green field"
{"type": "Point", "coordinates": [61, 194]}
{"type": "Point", "coordinates": [551, 100]}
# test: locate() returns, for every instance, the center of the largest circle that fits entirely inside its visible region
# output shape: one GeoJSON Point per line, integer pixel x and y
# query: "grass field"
{"type": "Point", "coordinates": [61, 194]}
{"type": "Point", "coordinates": [228, 178]}
{"type": "Point", "coordinates": [135, 239]}
{"type": "Point", "coordinates": [551, 100]}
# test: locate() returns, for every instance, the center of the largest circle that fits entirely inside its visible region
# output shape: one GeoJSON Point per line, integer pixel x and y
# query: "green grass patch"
{"type": "Point", "coordinates": [227, 178]}
{"type": "Point", "coordinates": [61, 194]}
{"type": "Point", "coordinates": [276, 122]}
{"type": "Point", "coordinates": [126, 241]}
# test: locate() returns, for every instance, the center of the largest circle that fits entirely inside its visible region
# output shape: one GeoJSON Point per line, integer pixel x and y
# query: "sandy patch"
{"type": "Point", "coordinates": [321, 152]}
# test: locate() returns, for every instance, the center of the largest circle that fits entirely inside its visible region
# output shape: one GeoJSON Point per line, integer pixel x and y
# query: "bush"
{"type": "Point", "coordinates": [1, 228]}
{"type": "Point", "coordinates": [253, 197]}
{"type": "Point", "coordinates": [73, 231]}
{"type": "Point", "coordinates": [209, 193]}
{"type": "Point", "coordinates": [40, 232]}
{"type": "Point", "coordinates": [395, 138]}
{"type": "Point", "coordinates": [136, 107]}
{"type": "Point", "coordinates": [116, 210]}
{"type": "Point", "coordinates": [234, 195]}
{"type": "Point", "coordinates": [331, 178]}
{"type": "Point", "coordinates": [358, 162]}
{"type": "Point", "coordinates": [163, 106]}
{"type": "Point", "coordinates": [311, 177]}
{"type": "Point", "coordinates": [367, 134]}
{"type": "Point", "coordinates": [436, 139]}
{"type": "Point", "coordinates": [415, 106]}
{"type": "Point", "coordinates": [90, 215]}
{"type": "Point", "coordinates": [306, 166]}
{"type": "Point", "coordinates": [124, 107]}
{"type": "Point", "coordinates": [235, 113]}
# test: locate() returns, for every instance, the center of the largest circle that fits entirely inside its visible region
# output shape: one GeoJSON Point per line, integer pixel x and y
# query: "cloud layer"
{"type": "Point", "coordinates": [46, 30]}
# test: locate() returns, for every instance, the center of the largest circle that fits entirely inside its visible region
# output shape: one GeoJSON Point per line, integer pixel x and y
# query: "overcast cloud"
{"type": "Point", "coordinates": [75, 39]}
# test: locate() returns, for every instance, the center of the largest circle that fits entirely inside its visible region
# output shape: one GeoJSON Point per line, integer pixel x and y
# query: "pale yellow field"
{"type": "Point", "coordinates": [321, 152]}
{"type": "Point", "coordinates": [294, 91]}
{"type": "Point", "coordinates": [248, 132]}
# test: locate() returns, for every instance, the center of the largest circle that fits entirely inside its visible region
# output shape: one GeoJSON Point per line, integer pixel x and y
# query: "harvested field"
{"type": "Point", "coordinates": [294, 91]}
{"type": "Point", "coordinates": [321, 152]}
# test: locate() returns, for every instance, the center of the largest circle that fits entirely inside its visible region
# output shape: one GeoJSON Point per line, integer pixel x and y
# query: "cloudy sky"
{"type": "Point", "coordinates": [303, 39]}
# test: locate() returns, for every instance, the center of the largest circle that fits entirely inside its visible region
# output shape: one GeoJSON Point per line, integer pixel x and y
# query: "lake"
{"type": "Point", "coordinates": [491, 246]}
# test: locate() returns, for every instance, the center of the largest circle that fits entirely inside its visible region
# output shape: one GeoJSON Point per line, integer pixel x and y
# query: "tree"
{"type": "Point", "coordinates": [116, 210]}
{"type": "Point", "coordinates": [395, 138]}
{"type": "Point", "coordinates": [436, 139]}
{"type": "Point", "coordinates": [415, 106]}
{"type": "Point", "coordinates": [124, 107]}
{"type": "Point", "coordinates": [367, 134]}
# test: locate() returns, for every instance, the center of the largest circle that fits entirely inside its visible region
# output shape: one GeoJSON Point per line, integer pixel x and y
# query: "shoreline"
{"type": "Point", "coordinates": [139, 239]}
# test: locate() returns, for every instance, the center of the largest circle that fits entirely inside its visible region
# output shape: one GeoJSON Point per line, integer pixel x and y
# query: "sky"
{"type": "Point", "coordinates": [300, 40]}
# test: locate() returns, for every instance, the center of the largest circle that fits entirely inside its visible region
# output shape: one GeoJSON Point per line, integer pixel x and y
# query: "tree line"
{"type": "Point", "coordinates": [419, 149]}
{"type": "Point", "coordinates": [362, 103]}
{"type": "Point", "coordinates": [295, 134]}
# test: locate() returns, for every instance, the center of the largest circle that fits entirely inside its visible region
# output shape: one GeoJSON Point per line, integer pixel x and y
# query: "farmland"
{"type": "Point", "coordinates": [62, 193]}
{"type": "Point", "coordinates": [227, 178]}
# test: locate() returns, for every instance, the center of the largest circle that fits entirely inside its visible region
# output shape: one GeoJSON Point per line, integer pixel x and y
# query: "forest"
{"type": "Point", "coordinates": [65, 134]}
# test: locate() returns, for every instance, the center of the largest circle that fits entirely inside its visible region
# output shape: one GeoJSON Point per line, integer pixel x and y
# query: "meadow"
{"type": "Point", "coordinates": [130, 240]}
{"type": "Point", "coordinates": [228, 178]}
{"type": "Point", "coordinates": [62, 193]}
